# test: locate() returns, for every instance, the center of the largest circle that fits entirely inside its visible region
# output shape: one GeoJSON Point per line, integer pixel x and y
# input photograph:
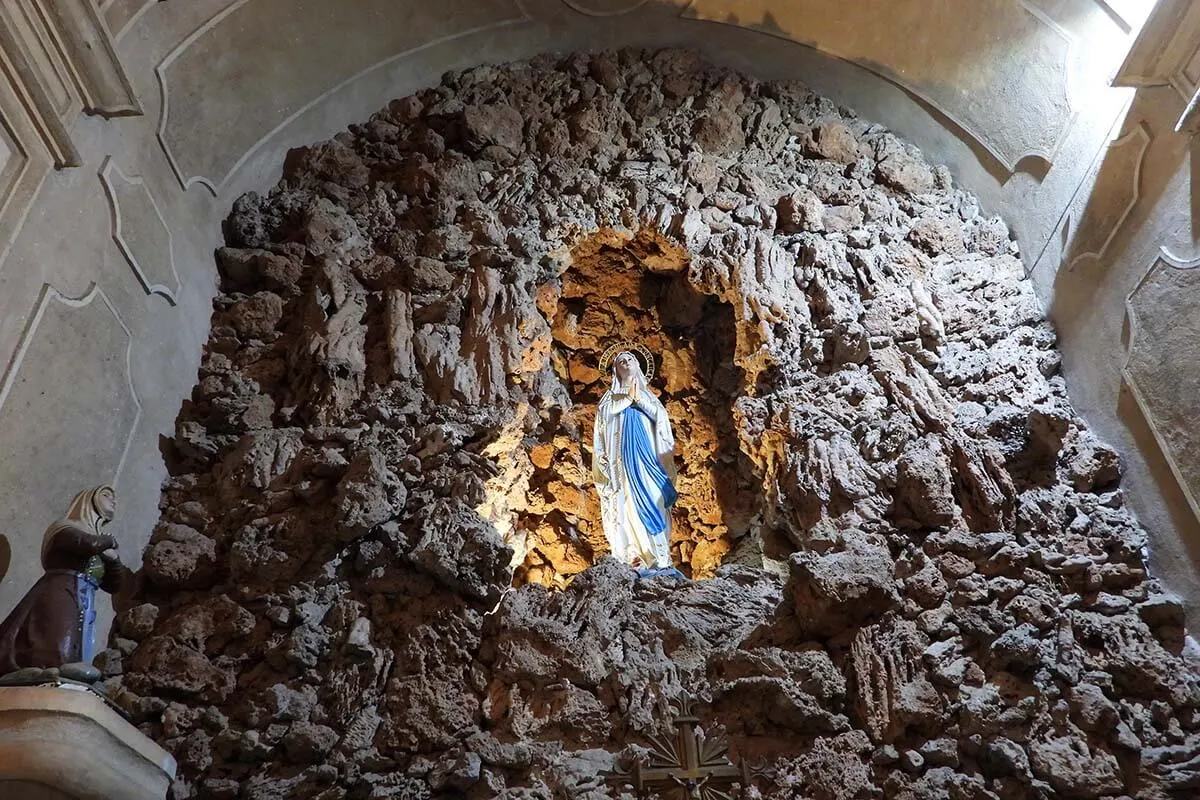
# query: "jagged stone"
{"type": "Point", "coordinates": [249, 269]}
{"type": "Point", "coordinates": [380, 571]}
{"type": "Point", "coordinates": [800, 211]}
{"type": "Point", "coordinates": [1075, 769]}
{"type": "Point", "coordinates": [833, 141]}
{"type": "Point", "coordinates": [138, 622]}
{"type": "Point", "coordinates": [898, 168]}
{"type": "Point", "coordinates": [460, 549]}
{"type": "Point", "coordinates": [835, 590]}
{"type": "Point", "coordinates": [257, 316]}
{"type": "Point", "coordinates": [180, 557]}
{"type": "Point", "coordinates": [368, 494]}
{"type": "Point", "coordinates": [892, 692]}
{"type": "Point", "coordinates": [797, 689]}
{"type": "Point", "coordinates": [306, 743]}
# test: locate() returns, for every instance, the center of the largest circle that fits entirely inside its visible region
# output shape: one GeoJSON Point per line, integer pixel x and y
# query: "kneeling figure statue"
{"type": "Point", "coordinates": [53, 628]}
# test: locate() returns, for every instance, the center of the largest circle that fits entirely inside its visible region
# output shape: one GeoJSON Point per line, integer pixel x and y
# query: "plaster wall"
{"type": "Point", "coordinates": [105, 289]}
{"type": "Point", "coordinates": [1119, 279]}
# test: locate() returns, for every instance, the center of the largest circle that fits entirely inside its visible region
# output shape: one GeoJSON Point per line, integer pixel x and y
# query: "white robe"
{"type": "Point", "coordinates": [624, 527]}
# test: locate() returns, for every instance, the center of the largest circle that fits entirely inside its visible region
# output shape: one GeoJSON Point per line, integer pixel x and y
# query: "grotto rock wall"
{"type": "Point", "coordinates": [926, 585]}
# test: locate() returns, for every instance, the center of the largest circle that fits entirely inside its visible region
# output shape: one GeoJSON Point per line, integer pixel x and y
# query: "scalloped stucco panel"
{"type": "Point", "coordinates": [1162, 369]}
{"type": "Point", "coordinates": [258, 64]}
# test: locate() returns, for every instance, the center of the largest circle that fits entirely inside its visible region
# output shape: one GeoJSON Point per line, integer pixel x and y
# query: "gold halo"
{"type": "Point", "coordinates": [637, 349]}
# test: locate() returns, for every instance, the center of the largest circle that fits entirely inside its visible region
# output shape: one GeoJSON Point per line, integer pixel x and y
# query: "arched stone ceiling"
{"type": "Point", "coordinates": [1005, 75]}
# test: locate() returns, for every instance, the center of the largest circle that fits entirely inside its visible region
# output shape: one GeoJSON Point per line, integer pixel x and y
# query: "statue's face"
{"type": "Point", "coordinates": [106, 503]}
{"type": "Point", "coordinates": [624, 366]}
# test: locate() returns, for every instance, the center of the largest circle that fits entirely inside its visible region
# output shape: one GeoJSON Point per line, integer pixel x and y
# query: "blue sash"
{"type": "Point", "coordinates": [644, 470]}
{"type": "Point", "coordinates": [85, 595]}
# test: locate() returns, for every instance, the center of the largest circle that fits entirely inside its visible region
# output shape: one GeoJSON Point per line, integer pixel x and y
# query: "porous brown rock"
{"type": "Point", "coordinates": [180, 557]}
{"type": "Point", "coordinates": [380, 570]}
{"type": "Point", "coordinates": [834, 141]}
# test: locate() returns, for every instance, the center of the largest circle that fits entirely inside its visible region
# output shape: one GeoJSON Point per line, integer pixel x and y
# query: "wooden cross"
{"type": "Point", "coordinates": [693, 767]}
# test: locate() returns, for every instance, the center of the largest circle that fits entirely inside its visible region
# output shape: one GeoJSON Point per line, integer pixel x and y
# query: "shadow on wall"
{"type": "Point", "coordinates": [1161, 473]}
{"type": "Point", "coordinates": [1117, 200]}
{"type": "Point", "coordinates": [5, 556]}
{"type": "Point", "coordinates": [1129, 205]}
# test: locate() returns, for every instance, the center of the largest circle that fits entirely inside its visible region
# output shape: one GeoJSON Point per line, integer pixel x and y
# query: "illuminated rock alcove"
{"type": "Point", "coordinates": [622, 286]}
{"type": "Point", "coordinates": [920, 576]}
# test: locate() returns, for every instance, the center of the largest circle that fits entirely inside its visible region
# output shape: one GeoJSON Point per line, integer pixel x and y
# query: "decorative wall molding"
{"type": "Point", "coordinates": [122, 14]}
{"type": "Point", "coordinates": [1167, 50]}
{"type": "Point", "coordinates": [24, 164]}
{"type": "Point", "coordinates": [605, 8]}
{"type": "Point", "coordinates": [56, 59]}
{"type": "Point", "coordinates": [1115, 190]}
{"type": "Point", "coordinates": [58, 56]}
{"type": "Point", "coordinates": [248, 97]}
{"type": "Point", "coordinates": [1189, 121]}
{"type": "Point", "coordinates": [14, 163]}
{"type": "Point", "coordinates": [1014, 108]}
{"type": "Point", "coordinates": [141, 231]}
{"type": "Point", "coordinates": [34, 66]}
{"type": "Point", "coordinates": [1125, 13]}
{"type": "Point", "coordinates": [1161, 370]}
{"type": "Point", "coordinates": [88, 44]}
{"type": "Point", "coordinates": [72, 341]}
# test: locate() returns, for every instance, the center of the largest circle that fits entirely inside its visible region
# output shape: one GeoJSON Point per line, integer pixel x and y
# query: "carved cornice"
{"type": "Point", "coordinates": [103, 85]}
{"type": "Point", "coordinates": [1165, 51]}
{"type": "Point", "coordinates": [1189, 122]}
{"type": "Point", "coordinates": [33, 65]}
{"type": "Point", "coordinates": [1128, 15]}
{"type": "Point", "coordinates": [23, 164]}
{"type": "Point", "coordinates": [58, 58]}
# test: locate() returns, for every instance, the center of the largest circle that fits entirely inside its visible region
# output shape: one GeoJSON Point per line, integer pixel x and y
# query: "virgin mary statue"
{"type": "Point", "coordinates": [634, 465]}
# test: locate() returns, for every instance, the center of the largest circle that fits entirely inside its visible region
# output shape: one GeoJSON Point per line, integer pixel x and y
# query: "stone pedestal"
{"type": "Point", "coordinates": [61, 743]}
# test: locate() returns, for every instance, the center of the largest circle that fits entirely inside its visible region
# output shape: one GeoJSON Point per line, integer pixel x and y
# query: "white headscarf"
{"type": "Point", "coordinates": [663, 436]}
{"type": "Point", "coordinates": [84, 514]}
{"type": "Point", "coordinates": [638, 378]}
